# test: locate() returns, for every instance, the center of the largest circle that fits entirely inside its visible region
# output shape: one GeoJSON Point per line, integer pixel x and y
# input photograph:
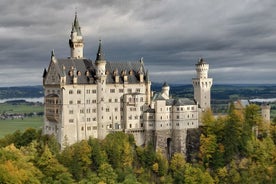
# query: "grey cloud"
{"type": "Point", "coordinates": [170, 35]}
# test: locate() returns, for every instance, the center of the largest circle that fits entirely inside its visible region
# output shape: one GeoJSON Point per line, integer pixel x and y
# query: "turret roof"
{"type": "Point", "coordinates": [76, 26]}
{"type": "Point", "coordinates": [100, 56]}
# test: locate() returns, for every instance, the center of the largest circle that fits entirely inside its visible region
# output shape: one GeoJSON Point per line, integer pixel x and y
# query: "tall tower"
{"type": "Point", "coordinates": [202, 85]}
{"type": "Point", "coordinates": [266, 112]}
{"type": "Point", "coordinates": [101, 91]}
{"type": "Point", "coordinates": [76, 40]}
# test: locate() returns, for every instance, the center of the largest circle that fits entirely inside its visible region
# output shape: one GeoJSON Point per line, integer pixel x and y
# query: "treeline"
{"type": "Point", "coordinates": [237, 148]}
{"type": "Point", "coordinates": [21, 92]}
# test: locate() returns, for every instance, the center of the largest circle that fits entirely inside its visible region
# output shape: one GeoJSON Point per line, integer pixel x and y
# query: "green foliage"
{"type": "Point", "coordinates": [237, 148]}
{"type": "Point", "coordinates": [77, 158]}
{"type": "Point", "coordinates": [119, 150]}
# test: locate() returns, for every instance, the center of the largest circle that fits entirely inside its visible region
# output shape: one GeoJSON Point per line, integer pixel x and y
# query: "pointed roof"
{"type": "Point", "coordinates": [165, 84]}
{"type": "Point", "coordinates": [100, 56]}
{"type": "Point", "coordinates": [201, 61]}
{"type": "Point", "coordinates": [76, 25]}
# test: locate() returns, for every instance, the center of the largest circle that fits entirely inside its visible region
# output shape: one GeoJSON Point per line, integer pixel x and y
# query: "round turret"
{"type": "Point", "coordinates": [202, 69]}
{"type": "Point", "coordinates": [166, 89]}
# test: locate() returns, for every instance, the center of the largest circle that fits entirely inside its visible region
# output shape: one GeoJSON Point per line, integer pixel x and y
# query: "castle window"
{"type": "Point", "coordinates": [177, 117]}
{"type": "Point", "coordinates": [88, 119]}
{"type": "Point", "coordinates": [93, 91]}
{"type": "Point", "coordinates": [138, 90]}
{"type": "Point", "coordinates": [94, 119]}
{"type": "Point", "coordinates": [78, 102]}
{"type": "Point", "coordinates": [160, 125]}
{"type": "Point", "coordinates": [109, 117]}
{"type": "Point", "coordinates": [110, 100]}
{"type": "Point", "coordinates": [81, 111]}
{"type": "Point", "coordinates": [102, 99]}
{"type": "Point", "coordinates": [71, 120]}
{"type": "Point", "coordinates": [141, 99]}
{"type": "Point", "coordinates": [107, 109]}
{"type": "Point", "coordinates": [116, 100]}
{"type": "Point", "coordinates": [112, 90]}
{"type": "Point", "coordinates": [181, 109]}
{"type": "Point", "coordinates": [70, 102]}
{"type": "Point", "coordinates": [129, 90]}
{"type": "Point", "coordinates": [88, 101]}
{"type": "Point", "coordinates": [160, 117]}
{"type": "Point", "coordinates": [94, 101]}
{"type": "Point", "coordinates": [94, 110]}
{"type": "Point", "coordinates": [116, 109]}
{"type": "Point", "coordinates": [89, 128]}
{"type": "Point", "coordinates": [188, 108]}
{"type": "Point", "coordinates": [70, 92]}
{"type": "Point", "coordinates": [130, 125]}
{"type": "Point", "coordinates": [87, 91]}
{"type": "Point", "coordinates": [142, 124]}
{"type": "Point", "coordinates": [192, 108]}
{"type": "Point", "coordinates": [78, 91]}
{"type": "Point", "coordinates": [121, 90]}
{"type": "Point", "coordinates": [177, 124]}
{"type": "Point", "coordinates": [82, 128]}
{"type": "Point", "coordinates": [130, 117]}
{"type": "Point", "coordinates": [71, 112]}
{"type": "Point", "coordinates": [177, 109]}
{"type": "Point", "coordinates": [87, 110]}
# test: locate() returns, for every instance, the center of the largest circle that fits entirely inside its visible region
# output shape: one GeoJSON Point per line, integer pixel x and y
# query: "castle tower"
{"type": "Point", "coordinates": [165, 90]}
{"type": "Point", "coordinates": [76, 40]}
{"type": "Point", "coordinates": [101, 91]}
{"type": "Point", "coordinates": [266, 112]}
{"type": "Point", "coordinates": [202, 85]}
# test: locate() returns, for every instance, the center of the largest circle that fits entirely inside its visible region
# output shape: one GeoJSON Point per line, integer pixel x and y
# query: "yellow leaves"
{"type": "Point", "coordinates": [155, 167]}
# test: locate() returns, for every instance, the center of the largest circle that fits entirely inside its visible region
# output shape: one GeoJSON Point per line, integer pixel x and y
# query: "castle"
{"type": "Point", "coordinates": [85, 98]}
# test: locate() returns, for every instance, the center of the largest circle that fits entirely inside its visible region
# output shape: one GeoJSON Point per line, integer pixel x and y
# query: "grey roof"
{"type": "Point", "coordinates": [100, 55]}
{"type": "Point", "coordinates": [201, 61]}
{"type": "Point", "coordinates": [180, 102]}
{"type": "Point", "coordinates": [85, 70]}
{"type": "Point", "coordinates": [157, 96]}
{"type": "Point", "coordinates": [165, 84]}
{"type": "Point", "coordinates": [76, 26]}
{"type": "Point", "coordinates": [184, 101]}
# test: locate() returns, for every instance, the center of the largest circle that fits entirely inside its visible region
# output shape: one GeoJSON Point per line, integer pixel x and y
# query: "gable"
{"type": "Point", "coordinates": [52, 76]}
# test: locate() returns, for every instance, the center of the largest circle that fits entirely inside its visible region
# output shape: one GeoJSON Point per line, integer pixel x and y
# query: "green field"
{"type": "Point", "coordinates": [10, 126]}
{"type": "Point", "coordinates": [20, 108]}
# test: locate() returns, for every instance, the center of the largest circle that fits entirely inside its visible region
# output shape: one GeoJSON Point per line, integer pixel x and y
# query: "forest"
{"type": "Point", "coordinates": [236, 148]}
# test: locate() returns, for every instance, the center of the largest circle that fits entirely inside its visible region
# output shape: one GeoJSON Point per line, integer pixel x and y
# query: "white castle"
{"type": "Point", "coordinates": [85, 98]}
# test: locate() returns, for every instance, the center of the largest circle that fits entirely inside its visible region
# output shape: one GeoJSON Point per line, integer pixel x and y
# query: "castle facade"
{"type": "Point", "coordinates": [86, 98]}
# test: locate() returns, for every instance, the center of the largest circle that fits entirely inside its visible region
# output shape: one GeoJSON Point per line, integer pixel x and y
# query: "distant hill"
{"type": "Point", "coordinates": [21, 92]}
{"type": "Point", "coordinates": [223, 92]}
{"type": "Point", "coordinates": [219, 92]}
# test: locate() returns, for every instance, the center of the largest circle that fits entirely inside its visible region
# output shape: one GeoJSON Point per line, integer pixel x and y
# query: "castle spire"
{"type": "Point", "coordinates": [100, 56]}
{"type": "Point", "coordinates": [76, 41]}
{"type": "Point", "coordinates": [76, 25]}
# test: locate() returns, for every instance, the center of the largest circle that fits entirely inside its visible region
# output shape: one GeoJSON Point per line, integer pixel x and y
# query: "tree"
{"type": "Point", "coordinates": [107, 174]}
{"type": "Point", "coordinates": [15, 167]}
{"type": "Point", "coordinates": [119, 150]}
{"type": "Point", "coordinates": [52, 169]}
{"type": "Point", "coordinates": [77, 158]}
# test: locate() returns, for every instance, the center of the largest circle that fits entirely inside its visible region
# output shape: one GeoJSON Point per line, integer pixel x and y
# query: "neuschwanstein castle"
{"type": "Point", "coordinates": [86, 98]}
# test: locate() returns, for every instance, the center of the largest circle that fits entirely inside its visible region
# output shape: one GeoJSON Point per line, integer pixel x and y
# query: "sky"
{"type": "Point", "coordinates": [236, 38]}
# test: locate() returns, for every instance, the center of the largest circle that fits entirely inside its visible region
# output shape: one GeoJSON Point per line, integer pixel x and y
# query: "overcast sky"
{"type": "Point", "coordinates": [237, 38]}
